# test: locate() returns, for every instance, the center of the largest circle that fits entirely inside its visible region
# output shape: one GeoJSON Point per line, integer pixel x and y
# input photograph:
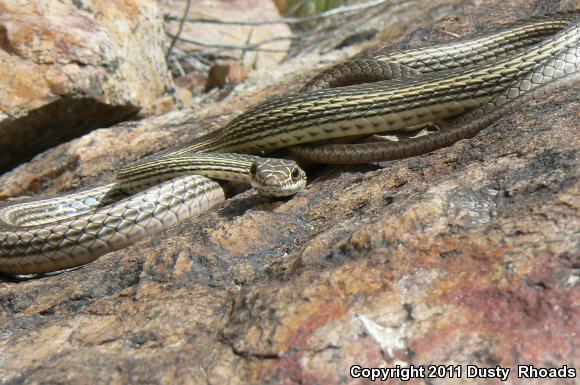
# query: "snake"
{"type": "Point", "coordinates": [461, 87]}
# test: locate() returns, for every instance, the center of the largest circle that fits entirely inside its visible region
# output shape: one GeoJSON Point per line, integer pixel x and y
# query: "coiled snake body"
{"type": "Point", "coordinates": [461, 86]}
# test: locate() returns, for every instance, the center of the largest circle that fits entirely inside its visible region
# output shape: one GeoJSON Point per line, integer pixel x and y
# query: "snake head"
{"type": "Point", "coordinates": [277, 177]}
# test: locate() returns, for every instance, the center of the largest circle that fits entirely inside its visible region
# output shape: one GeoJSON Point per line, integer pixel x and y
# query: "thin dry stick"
{"type": "Point", "coordinates": [246, 47]}
{"type": "Point", "coordinates": [181, 23]}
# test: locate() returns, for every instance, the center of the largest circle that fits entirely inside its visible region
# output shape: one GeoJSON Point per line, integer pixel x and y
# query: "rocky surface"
{"type": "Point", "coordinates": [69, 67]}
{"type": "Point", "coordinates": [468, 255]}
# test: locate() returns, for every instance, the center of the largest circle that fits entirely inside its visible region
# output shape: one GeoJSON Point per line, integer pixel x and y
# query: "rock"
{"type": "Point", "coordinates": [70, 67]}
{"type": "Point", "coordinates": [467, 255]}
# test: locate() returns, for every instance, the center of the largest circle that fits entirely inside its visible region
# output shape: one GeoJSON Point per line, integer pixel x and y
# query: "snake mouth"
{"type": "Point", "coordinates": [281, 189]}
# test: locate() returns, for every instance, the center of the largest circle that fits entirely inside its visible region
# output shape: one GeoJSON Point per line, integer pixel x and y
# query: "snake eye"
{"type": "Point", "coordinates": [295, 173]}
{"type": "Point", "coordinates": [253, 169]}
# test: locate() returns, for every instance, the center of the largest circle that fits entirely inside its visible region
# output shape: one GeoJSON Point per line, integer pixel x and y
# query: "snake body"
{"type": "Point", "coordinates": [466, 53]}
{"type": "Point", "coordinates": [484, 77]}
{"type": "Point", "coordinates": [55, 245]}
{"type": "Point", "coordinates": [555, 73]}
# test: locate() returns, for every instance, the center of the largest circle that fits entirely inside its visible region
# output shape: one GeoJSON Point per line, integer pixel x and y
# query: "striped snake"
{"type": "Point", "coordinates": [461, 86]}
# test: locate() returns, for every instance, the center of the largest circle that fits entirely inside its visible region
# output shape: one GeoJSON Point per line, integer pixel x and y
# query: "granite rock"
{"type": "Point", "coordinates": [70, 67]}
